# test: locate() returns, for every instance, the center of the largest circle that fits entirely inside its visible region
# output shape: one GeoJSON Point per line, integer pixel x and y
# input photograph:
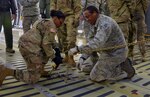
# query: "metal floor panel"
{"type": "Point", "coordinates": [77, 84]}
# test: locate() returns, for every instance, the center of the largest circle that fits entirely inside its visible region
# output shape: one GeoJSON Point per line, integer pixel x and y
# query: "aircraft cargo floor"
{"type": "Point", "coordinates": [76, 84]}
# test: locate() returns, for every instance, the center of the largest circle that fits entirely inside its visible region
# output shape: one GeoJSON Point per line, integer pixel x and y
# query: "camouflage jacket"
{"type": "Point", "coordinates": [139, 9]}
{"type": "Point", "coordinates": [119, 10]}
{"type": "Point", "coordinates": [104, 34]}
{"type": "Point", "coordinates": [41, 38]}
{"type": "Point", "coordinates": [138, 5]}
{"type": "Point", "coordinates": [29, 7]}
{"type": "Point", "coordinates": [68, 7]}
{"type": "Point", "coordinates": [91, 3]}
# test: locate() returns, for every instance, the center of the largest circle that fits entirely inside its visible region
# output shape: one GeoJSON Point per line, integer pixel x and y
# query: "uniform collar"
{"type": "Point", "coordinates": [97, 21]}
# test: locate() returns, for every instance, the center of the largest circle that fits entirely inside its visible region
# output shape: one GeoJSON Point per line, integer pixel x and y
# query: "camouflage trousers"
{"type": "Point", "coordinates": [134, 31]}
{"type": "Point", "coordinates": [129, 31]}
{"type": "Point", "coordinates": [139, 36]}
{"type": "Point", "coordinates": [141, 29]}
{"type": "Point", "coordinates": [125, 29]}
{"type": "Point", "coordinates": [28, 21]}
{"type": "Point", "coordinates": [35, 66]}
{"type": "Point", "coordinates": [67, 34]}
{"type": "Point", "coordinates": [107, 69]}
{"type": "Point", "coordinates": [87, 61]}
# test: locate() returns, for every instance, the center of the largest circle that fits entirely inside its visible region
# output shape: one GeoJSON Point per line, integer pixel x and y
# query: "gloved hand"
{"type": "Point", "coordinates": [57, 60]}
{"type": "Point", "coordinates": [73, 51]}
{"type": "Point", "coordinates": [57, 52]}
{"type": "Point", "coordinates": [81, 61]}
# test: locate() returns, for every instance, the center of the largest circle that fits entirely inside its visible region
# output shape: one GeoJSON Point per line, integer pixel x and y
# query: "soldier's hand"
{"type": "Point", "coordinates": [81, 61]}
{"type": "Point", "coordinates": [57, 52]}
{"type": "Point", "coordinates": [57, 60]}
{"type": "Point", "coordinates": [73, 51]}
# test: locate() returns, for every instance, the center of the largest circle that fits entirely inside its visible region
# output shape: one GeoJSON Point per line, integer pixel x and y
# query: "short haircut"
{"type": "Point", "coordinates": [92, 9]}
{"type": "Point", "coordinates": [58, 14]}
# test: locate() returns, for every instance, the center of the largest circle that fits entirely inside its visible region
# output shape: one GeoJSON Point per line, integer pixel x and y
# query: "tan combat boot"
{"type": "Point", "coordinates": [71, 61]}
{"type": "Point", "coordinates": [4, 72]}
{"type": "Point", "coordinates": [44, 73]}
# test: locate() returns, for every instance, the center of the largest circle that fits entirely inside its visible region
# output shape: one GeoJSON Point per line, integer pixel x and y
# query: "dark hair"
{"type": "Point", "coordinates": [91, 9]}
{"type": "Point", "coordinates": [58, 14]}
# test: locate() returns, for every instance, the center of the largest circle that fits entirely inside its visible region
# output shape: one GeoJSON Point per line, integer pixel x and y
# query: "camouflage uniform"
{"type": "Point", "coordinates": [87, 3]}
{"type": "Point", "coordinates": [36, 48]}
{"type": "Point", "coordinates": [103, 7]}
{"type": "Point", "coordinates": [91, 3]}
{"type": "Point", "coordinates": [148, 19]}
{"type": "Point", "coordinates": [45, 8]}
{"type": "Point", "coordinates": [30, 13]}
{"type": "Point", "coordinates": [130, 16]}
{"type": "Point", "coordinates": [105, 33]}
{"type": "Point", "coordinates": [138, 11]}
{"type": "Point", "coordinates": [72, 10]}
{"type": "Point", "coordinates": [99, 4]}
{"type": "Point", "coordinates": [120, 12]}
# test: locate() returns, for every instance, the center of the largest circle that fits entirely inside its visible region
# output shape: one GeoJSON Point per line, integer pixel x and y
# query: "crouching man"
{"type": "Point", "coordinates": [37, 46]}
{"type": "Point", "coordinates": [103, 32]}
